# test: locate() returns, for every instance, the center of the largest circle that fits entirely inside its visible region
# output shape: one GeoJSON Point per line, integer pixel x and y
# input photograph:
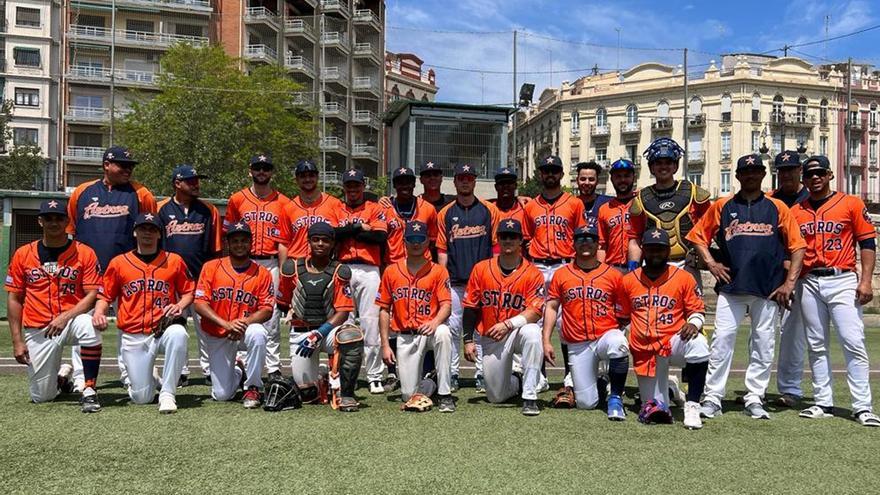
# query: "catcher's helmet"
{"type": "Point", "coordinates": [663, 148]}
{"type": "Point", "coordinates": [282, 395]}
{"type": "Point", "coordinates": [622, 164]}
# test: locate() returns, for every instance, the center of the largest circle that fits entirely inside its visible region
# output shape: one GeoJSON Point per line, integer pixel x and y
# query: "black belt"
{"type": "Point", "coordinates": [827, 272]}
{"type": "Point", "coordinates": [264, 257]}
{"type": "Point", "coordinates": [551, 261]}
{"type": "Point", "coordinates": [409, 331]}
{"type": "Point", "coordinates": [357, 261]}
{"type": "Point", "coordinates": [303, 328]}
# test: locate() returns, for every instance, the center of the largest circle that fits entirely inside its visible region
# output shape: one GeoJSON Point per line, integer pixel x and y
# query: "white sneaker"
{"type": "Point", "coordinates": [543, 385]}
{"type": "Point", "coordinates": [376, 387]}
{"type": "Point", "coordinates": [167, 404]}
{"type": "Point", "coordinates": [756, 411]}
{"type": "Point", "coordinates": [65, 371]}
{"type": "Point", "coordinates": [692, 419]}
{"type": "Point", "coordinates": [676, 394]}
{"type": "Point", "coordinates": [567, 381]}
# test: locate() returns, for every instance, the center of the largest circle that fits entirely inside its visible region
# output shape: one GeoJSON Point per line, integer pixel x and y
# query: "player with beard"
{"type": "Point", "coordinates": [613, 218]}
{"type": "Point", "coordinates": [588, 174]}
{"type": "Point", "coordinates": [308, 208]}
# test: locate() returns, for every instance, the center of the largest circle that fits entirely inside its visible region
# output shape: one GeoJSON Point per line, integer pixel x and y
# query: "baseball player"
{"type": "Point", "coordinates": [262, 208]}
{"type": "Point", "coordinates": [508, 203]}
{"type": "Point", "coordinates": [666, 308]}
{"type": "Point", "coordinates": [613, 217]}
{"type": "Point", "coordinates": [792, 341]}
{"type": "Point", "coordinates": [360, 236]}
{"type": "Point", "coordinates": [754, 234]}
{"type": "Point", "coordinates": [503, 302]}
{"type": "Point", "coordinates": [431, 177]}
{"type": "Point", "coordinates": [102, 214]}
{"type": "Point", "coordinates": [415, 302]}
{"type": "Point", "coordinates": [234, 297]}
{"type": "Point", "coordinates": [309, 207]}
{"type": "Point", "coordinates": [550, 222]}
{"type": "Point", "coordinates": [148, 284]}
{"type": "Point", "coordinates": [51, 284]}
{"type": "Point", "coordinates": [587, 179]}
{"type": "Point", "coordinates": [402, 208]}
{"type": "Point", "coordinates": [587, 292]}
{"type": "Point", "coordinates": [833, 225]}
{"type": "Point", "coordinates": [192, 229]}
{"type": "Point", "coordinates": [317, 289]}
{"type": "Point", "coordinates": [466, 236]}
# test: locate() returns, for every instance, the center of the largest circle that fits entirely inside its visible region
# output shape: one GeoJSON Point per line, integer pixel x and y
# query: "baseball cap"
{"type": "Point", "coordinates": [787, 159]}
{"type": "Point", "coordinates": [147, 219]}
{"type": "Point", "coordinates": [657, 237]}
{"type": "Point", "coordinates": [509, 226]}
{"type": "Point", "coordinates": [119, 154]}
{"type": "Point", "coordinates": [304, 166]}
{"type": "Point", "coordinates": [551, 161]}
{"type": "Point", "coordinates": [817, 162]}
{"type": "Point", "coordinates": [322, 229]}
{"type": "Point", "coordinates": [416, 232]}
{"type": "Point", "coordinates": [747, 162]}
{"type": "Point", "coordinates": [239, 228]}
{"type": "Point", "coordinates": [465, 169]}
{"type": "Point", "coordinates": [402, 172]}
{"type": "Point", "coordinates": [353, 175]}
{"type": "Point", "coordinates": [184, 172]}
{"type": "Point", "coordinates": [505, 173]}
{"type": "Point", "coordinates": [53, 206]}
{"type": "Point", "coordinates": [590, 230]}
{"type": "Point", "coordinates": [429, 166]}
{"type": "Point", "coordinates": [262, 158]}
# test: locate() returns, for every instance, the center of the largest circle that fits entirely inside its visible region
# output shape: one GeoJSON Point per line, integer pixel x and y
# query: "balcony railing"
{"type": "Point", "coordinates": [856, 124]}
{"type": "Point", "coordinates": [661, 123]}
{"type": "Point", "coordinates": [78, 32]}
{"type": "Point", "coordinates": [777, 117]}
{"type": "Point", "coordinates": [802, 120]}
{"type": "Point", "coordinates": [364, 117]}
{"type": "Point", "coordinates": [363, 83]}
{"type": "Point", "coordinates": [363, 150]}
{"type": "Point", "coordinates": [295, 26]}
{"type": "Point", "coordinates": [260, 51]}
{"type": "Point", "coordinates": [334, 178]}
{"type": "Point", "coordinates": [631, 127]}
{"type": "Point", "coordinates": [335, 6]}
{"type": "Point", "coordinates": [600, 130]}
{"type": "Point", "coordinates": [364, 50]}
{"type": "Point", "coordinates": [299, 62]}
{"type": "Point", "coordinates": [89, 153]}
{"type": "Point", "coordinates": [198, 5]}
{"type": "Point", "coordinates": [335, 38]}
{"type": "Point", "coordinates": [334, 74]}
{"type": "Point", "coordinates": [333, 109]}
{"type": "Point", "coordinates": [333, 143]}
{"type": "Point", "coordinates": [697, 120]}
{"type": "Point", "coordinates": [101, 74]}
{"type": "Point", "coordinates": [259, 14]}
{"type": "Point", "coordinates": [302, 99]}
{"type": "Point", "coordinates": [365, 16]}
{"type": "Point", "coordinates": [92, 114]}
{"type": "Point", "coordinates": [695, 156]}
{"type": "Point", "coordinates": [857, 161]}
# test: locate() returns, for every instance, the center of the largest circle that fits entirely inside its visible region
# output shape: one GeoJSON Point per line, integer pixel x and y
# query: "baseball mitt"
{"type": "Point", "coordinates": [655, 412]}
{"type": "Point", "coordinates": [418, 403]}
{"type": "Point", "coordinates": [166, 322]}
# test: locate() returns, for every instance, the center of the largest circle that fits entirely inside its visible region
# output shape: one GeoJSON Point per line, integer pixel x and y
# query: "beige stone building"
{"type": "Point", "coordinates": [405, 79]}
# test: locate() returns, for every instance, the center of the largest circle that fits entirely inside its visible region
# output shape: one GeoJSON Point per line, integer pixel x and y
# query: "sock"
{"type": "Point", "coordinates": [696, 378]}
{"type": "Point", "coordinates": [91, 360]}
{"type": "Point", "coordinates": [617, 370]}
{"type": "Point", "coordinates": [392, 368]}
{"type": "Point", "coordinates": [428, 363]}
{"type": "Point", "coordinates": [565, 358]}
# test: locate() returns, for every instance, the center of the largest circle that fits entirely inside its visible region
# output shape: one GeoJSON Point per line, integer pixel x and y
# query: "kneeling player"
{"type": "Point", "coordinates": [589, 293]}
{"type": "Point", "coordinates": [667, 312]}
{"type": "Point", "coordinates": [415, 302]}
{"type": "Point", "coordinates": [52, 283]}
{"type": "Point", "coordinates": [316, 289]}
{"type": "Point", "coordinates": [506, 296]}
{"type": "Point", "coordinates": [149, 284]}
{"type": "Point", "coordinates": [234, 297]}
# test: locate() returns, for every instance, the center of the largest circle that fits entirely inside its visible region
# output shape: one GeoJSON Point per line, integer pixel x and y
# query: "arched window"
{"type": "Point", "coordinates": [575, 122]}
{"type": "Point", "coordinates": [424, 97]}
{"type": "Point", "coordinates": [695, 107]}
{"type": "Point", "coordinates": [823, 112]}
{"type": "Point", "coordinates": [726, 105]}
{"type": "Point", "coordinates": [601, 117]}
{"type": "Point", "coordinates": [632, 115]}
{"type": "Point", "coordinates": [777, 113]}
{"type": "Point", "coordinates": [756, 107]}
{"type": "Point", "coordinates": [872, 116]}
{"type": "Point", "coordinates": [855, 111]}
{"type": "Point", "coordinates": [801, 115]}
{"type": "Point", "coordinates": [663, 109]}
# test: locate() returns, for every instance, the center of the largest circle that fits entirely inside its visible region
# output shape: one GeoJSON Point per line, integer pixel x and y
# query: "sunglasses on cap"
{"type": "Point", "coordinates": [262, 167]}
{"type": "Point", "coordinates": [818, 172]}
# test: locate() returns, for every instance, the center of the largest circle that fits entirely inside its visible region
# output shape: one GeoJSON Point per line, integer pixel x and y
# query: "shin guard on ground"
{"type": "Point", "coordinates": [346, 362]}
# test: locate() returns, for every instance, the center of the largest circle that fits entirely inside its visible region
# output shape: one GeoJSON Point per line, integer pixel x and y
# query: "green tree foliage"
{"type": "Point", "coordinates": [20, 168]}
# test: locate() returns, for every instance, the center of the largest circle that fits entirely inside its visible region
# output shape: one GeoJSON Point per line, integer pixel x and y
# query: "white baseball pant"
{"type": "Point", "coordinates": [456, 326]}
{"type": "Point", "coordinates": [584, 358]}
{"type": "Point", "coordinates": [501, 384]}
{"type": "Point", "coordinates": [204, 362]}
{"type": "Point", "coordinates": [272, 325]}
{"type": "Point", "coordinates": [826, 300]}
{"type": "Point", "coordinates": [729, 313]}
{"type": "Point", "coordinates": [45, 354]}
{"type": "Point", "coordinates": [79, 380]}
{"type": "Point", "coordinates": [792, 349]}
{"type": "Point", "coordinates": [139, 355]}
{"type": "Point", "coordinates": [364, 287]}
{"type": "Point", "coordinates": [548, 271]}
{"type": "Point", "coordinates": [305, 370]}
{"type": "Point", "coordinates": [222, 353]}
{"type": "Point", "coordinates": [411, 349]}
{"type": "Point", "coordinates": [656, 387]}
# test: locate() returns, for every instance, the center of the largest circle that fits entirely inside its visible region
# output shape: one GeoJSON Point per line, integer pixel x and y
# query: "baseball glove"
{"type": "Point", "coordinates": [655, 412]}
{"type": "Point", "coordinates": [165, 322]}
{"type": "Point", "coordinates": [418, 403]}
{"type": "Point", "coordinates": [564, 398]}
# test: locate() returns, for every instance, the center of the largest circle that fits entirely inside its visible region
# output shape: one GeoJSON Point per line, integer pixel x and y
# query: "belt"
{"type": "Point", "coordinates": [357, 261]}
{"type": "Point", "coordinates": [303, 328]}
{"type": "Point", "coordinates": [551, 261]}
{"type": "Point", "coordinates": [408, 331]}
{"type": "Point", "coordinates": [827, 272]}
{"type": "Point", "coordinates": [264, 257]}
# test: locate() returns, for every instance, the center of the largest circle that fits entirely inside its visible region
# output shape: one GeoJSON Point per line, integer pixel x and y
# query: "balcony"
{"type": "Point", "coordinates": [363, 150]}
{"type": "Point", "coordinates": [365, 84]}
{"type": "Point", "coordinates": [334, 109]}
{"type": "Point", "coordinates": [139, 39]}
{"type": "Point", "coordinates": [725, 156]}
{"type": "Point", "coordinates": [777, 118]}
{"type": "Point", "coordinates": [366, 17]}
{"type": "Point", "coordinates": [631, 127]}
{"type": "Point", "coordinates": [697, 121]}
{"type": "Point", "coordinates": [696, 157]}
{"type": "Point", "coordinates": [302, 99]}
{"type": "Point", "coordinates": [334, 178]}
{"type": "Point", "coordinates": [301, 64]}
{"type": "Point", "coordinates": [260, 53]}
{"type": "Point", "coordinates": [88, 115]}
{"type": "Point", "coordinates": [858, 161]}
{"type": "Point", "coordinates": [335, 39]}
{"type": "Point", "coordinates": [802, 120]}
{"type": "Point", "coordinates": [335, 7]}
{"type": "Point", "coordinates": [333, 143]}
{"type": "Point", "coordinates": [856, 124]}
{"type": "Point", "coordinates": [661, 124]}
{"type": "Point", "coordinates": [299, 27]}
{"type": "Point", "coordinates": [261, 15]}
{"type": "Point", "coordinates": [602, 130]}
{"type": "Point", "coordinates": [88, 154]}
{"type": "Point", "coordinates": [89, 74]}
{"type": "Point", "coordinates": [190, 6]}
{"type": "Point", "coordinates": [365, 50]}
{"type": "Point", "coordinates": [365, 117]}
{"type": "Point", "coordinates": [873, 125]}
{"type": "Point", "coordinates": [335, 75]}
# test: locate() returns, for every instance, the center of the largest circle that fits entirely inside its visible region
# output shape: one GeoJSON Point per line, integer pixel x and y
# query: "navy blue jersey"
{"type": "Point", "coordinates": [789, 199]}
{"type": "Point", "coordinates": [591, 211]}
{"type": "Point", "coordinates": [467, 234]}
{"type": "Point", "coordinates": [193, 234]}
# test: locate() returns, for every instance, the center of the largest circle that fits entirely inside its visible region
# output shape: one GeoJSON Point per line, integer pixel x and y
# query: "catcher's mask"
{"type": "Point", "coordinates": [282, 395]}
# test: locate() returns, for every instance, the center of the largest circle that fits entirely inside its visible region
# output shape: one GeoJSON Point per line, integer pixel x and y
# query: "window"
{"type": "Point", "coordinates": [632, 115]}
{"type": "Point", "coordinates": [854, 115]}
{"type": "Point", "coordinates": [725, 108]}
{"type": "Point", "coordinates": [823, 145]}
{"type": "Point", "coordinates": [696, 178]}
{"type": "Point", "coordinates": [24, 136]}
{"type": "Point", "coordinates": [756, 141]}
{"type": "Point", "coordinates": [663, 109]}
{"type": "Point", "coordinates": [778, 113]}
{"type": "Point", "coordinates": [601, 118]}
{"type": "Point", "coordinates": [872, 151]}
{"type": "Point", "coordinates": [88, 101]}
{"type": "Point", "coordinates": [872, 117]}
{"type": "Point", "coordinates": [802, 138]}
{"type": "Point", "coordinates": [188, 30]}
{"type": "Point", "coordinates": [91, 20]}
{"type": "Point", "coordinates": [725, 145]}
{"type": "Point", "coordinates": [26, 57]}
{"type": "Point", "coordinates": [410, 95]}
{"type": "Point", "coordinates": [855, 147]}
{"type": "Point", "coordinates": [601, 154]}
{"type": "Point", "coordinates": [27, 97]}
{"type": "Point", "coordinates": [756, 107]}
{"type": "Point", "coordinates": [801, 109]}
{"type": "Point", "coordinates": [823, 112]}
{"type": "Point", "coordinates": [725, 181]}
{"type": "Point", "coordinates": [778, 143]}
{"type": "Point", "coordinates": [140, 26]}
{"type": "Point", "coordinates": [855, 183]}
{"type": "Point", "coordinates": [27, 17]}
{"type": "Point", "coordinates": [695, 107]}
{"type": "Point", "coordinates": [395, 93]}
{"type": "Point", "coordinates": [575, 123]}
{"type": "Point", "coordinates": [91, 140]}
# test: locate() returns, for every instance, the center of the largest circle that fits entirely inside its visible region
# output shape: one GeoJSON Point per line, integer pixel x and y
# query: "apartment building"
{"type": "Point", "coordinates": [405, 78]}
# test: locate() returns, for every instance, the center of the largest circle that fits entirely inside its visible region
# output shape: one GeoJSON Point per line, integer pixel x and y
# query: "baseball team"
{"type": "Point", "coordinates": [408, 285]}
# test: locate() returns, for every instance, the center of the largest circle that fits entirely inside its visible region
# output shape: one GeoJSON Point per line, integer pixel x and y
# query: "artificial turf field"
{"type": "Point", "coordinates": [210, 447]}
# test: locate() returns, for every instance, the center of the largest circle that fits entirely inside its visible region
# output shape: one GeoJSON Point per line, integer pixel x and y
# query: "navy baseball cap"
{"type": "Point", "coordinates": [304, 166]}
{"type": "Point", "coordinates": [184, 172]}
{"type": "Point", "coordinates": [262, 158]}
{"type": "Point", "coordinates": [430, 166]}
{"type": "Point", "coordinates": [120, 155]}
{"type": "Point", "coordinates": [353, 175]}
{"type": "Point", "coordinates": [509, 226]}
{"type": "Point", "coordinates": [53, 207]}
{"type": "Point", "coordinates": [551, 162]}
{"type": "Point", "coordinates": [147, 219]}
{"type": "Point", "coordinates": [587, 231]}
{"type": "Point", "coordinates": [817, 162]}
{"type": "Point", "coordinates": [465, 169]}
{"type": "Point", "coordinates": [657, 237]}
{"type": "Point", "coordinates": [751, 161]}
{"type": "Point", "coordinates": [322, 229]}
{"type": "Point", "coordinates": [402, 172]}
{"type": "Point", "coordinates": [239, 228]}
{"type": "Point", "coordinates": [505, 173]}
{"type": "Point", "coordinates": [787, 159]}
{"type": "Point", "coordinates": [416, 232]}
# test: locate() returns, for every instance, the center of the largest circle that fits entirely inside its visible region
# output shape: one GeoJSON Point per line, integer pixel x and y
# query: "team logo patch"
{"type": "Point", "coordinates": [200, 293]}
{"type": "Point", "coordinates": [667, 205]}
{"type": "Point", "coordinates": [698, 291]}
{"type": "Point", "coordinates": [540, 291]}
{"type": "Point", "coordinates": [865, 214]}
{"type": "Point", "coordinates": [346, 290]}
{"type": "Point", "coordinates": [50, 267]}
{"type": "Point", "coordinates": [9, 279]}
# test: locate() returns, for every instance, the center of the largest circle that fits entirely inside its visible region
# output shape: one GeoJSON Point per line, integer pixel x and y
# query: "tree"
{"type": "Point", "coordinates": [213, 116]}
{"type": "Point", "coordinates": [21, 168]}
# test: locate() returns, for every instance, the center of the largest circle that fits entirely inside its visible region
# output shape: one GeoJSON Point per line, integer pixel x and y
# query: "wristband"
{"type": "Point", "coordinates": [632, 266]}
{"type": "Point", "coordinates": [517, 321]}
{"type": "Point", "coordinates": [325, 329]}
{"type": "Point", "coordinates": [697, 320]}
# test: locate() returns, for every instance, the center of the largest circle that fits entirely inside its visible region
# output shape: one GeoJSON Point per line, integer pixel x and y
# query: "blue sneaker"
{"type": "Point", "coordinates": [615, 408]}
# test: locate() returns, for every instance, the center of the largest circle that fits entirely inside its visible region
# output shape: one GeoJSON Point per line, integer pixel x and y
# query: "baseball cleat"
{"type": "Point", "coordinates": [709, 409]}
{"type": "Point", "coordinates": [376, 387]}
{"type": "Point", "coordinates": [692, 419]}
{"type": "Point", "coordinates": [530, 407]}
{"type": "Point", "coordinates": [208, 379]}
{"type": "Point", "coordinates": [348, 404]}
{"type": "Point", "coordinates": [867, 418]}
{"type": "Point", "coordinates": [817, 412]}
{"type": "Point", "coordinates": [676, 394]}
{"type": "Point", "coordinates": [65, 384]}
{"type": "Point", "coordinates": [543, 385]}
{"type": "Point", "coordinates": [391, 383]}
{"type": "Point", "coordinates": [447, 405]}
{"type": "Point", "coordinates": [89, 403]}
{"type": "Point", "coordinates": [167, 404]}
{"type": "Point", "coordinates": [251, 399]}
{"type": "Point", "coordinates": [615, 408]}
{"type": "Point", "coordinates": [756, 411]}
{"type": "Point", "coordinates": [183, 381]}
{"type": "Point", "coordinates": [787, 400]}
{"type": "Point", "coordinates": [453, 383]}
{"type": "Point", "coordinates": [480, 384]}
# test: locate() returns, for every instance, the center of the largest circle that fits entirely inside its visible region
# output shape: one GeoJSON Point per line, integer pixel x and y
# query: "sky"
{"type": "Point", "coordinates": [469, 43]}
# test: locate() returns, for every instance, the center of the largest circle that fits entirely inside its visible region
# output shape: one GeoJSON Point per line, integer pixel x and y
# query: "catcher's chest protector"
{"type": "Point", "coordinates": [313, 294]}
{"type": "Point", "coordinates": [670, 213]}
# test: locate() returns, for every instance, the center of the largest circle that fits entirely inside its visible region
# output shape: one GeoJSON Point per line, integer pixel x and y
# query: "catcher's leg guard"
{"type": "Point", "coordinates": [346, 361]}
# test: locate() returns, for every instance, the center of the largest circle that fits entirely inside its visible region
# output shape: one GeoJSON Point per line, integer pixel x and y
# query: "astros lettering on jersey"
{"type": "Point", "coordinates": [613, 225]}
{"type": "Point", "coordinates": [499, 297]}
{"type": "Point", "coordinates": [263, 216]}
{"type": "Point", "coordinates": [298, 217]}
{"type": "Point", "coordinates": [413, 299]}
{"type": "Point", "coordinates": [422, 212]}
{"type": "Point", "coordinates": [233, 295]}
{"type": "Point", "coordinates": [551, 226]}
{"type": "Point", "coordinates": [590, 301]}
{"type": "Point", "coordinates": [832, 231]}
{"type": "Point", "coordinates": [351, 250]}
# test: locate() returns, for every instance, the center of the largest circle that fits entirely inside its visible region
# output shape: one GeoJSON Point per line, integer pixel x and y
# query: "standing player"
{"type": "Point", "coordinates": [262, 208]}
{"type": "Point", "coordinates": [588, 174]}
{"type": "Point", "coordinates": [792, 341]}
{"type": "Point", "coordinates": [466, 236]}
{"type": "Point", "coordinates": [508, 203]}
{"type": "Point", "coordinates": [51, 284]}
{"type": "Point", "coordinates": [754, 234]}
{"type": "Point", "coordinates": [666, 308]}
{"type": "Point", "coordinates": [613, 217]}
{"type": "Point", "coordinates": [415, 302]}
{"type": "Point", "coordinates": [833, 224]}
{"type": "Point", "coordinates": [404, 207]}
{"type": "Point", "coordinates": [308, 208]}
{"type": "Point", "coordinates": [192, 231]}
{"type": "Point", "coordinates": [234, 297]}
{"type": "Point", "coordinates": [148, 284]}
{"type": "Point", "coordinates": [361, 233]}
{"type": "Point", "coordinates": [504, 300]}
{"type": "Point", "coordinates": [588, 292]}
{"type": "Point", "coordinates": [431, 177]}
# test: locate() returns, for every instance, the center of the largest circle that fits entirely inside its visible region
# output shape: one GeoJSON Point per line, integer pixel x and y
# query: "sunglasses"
{"type": "Point", "coordinates": [262, 167]}
{"type": "Point", "coordinates": [809, 174]}
{"type": "Point", "coordinates": [585, 240]}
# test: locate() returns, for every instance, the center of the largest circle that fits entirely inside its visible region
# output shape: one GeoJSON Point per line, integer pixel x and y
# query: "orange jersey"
{"type": "Point", "coordinates": [233, 295]}
{"type": "Point", "coordinates": [352, 250]}
{"type": "Point", "coordinates": [341, 292]}
{"type": "Point", "coordinates": [144, 289]}
{"type": "Point", "coordinates": [659, 309]}
{"type": "Point", "coordinates": [499, 297]}
{"type": "Point", "coordinates": [613, 224]}
{"type": "Point", "coordinates": [832, 231]}
{"type": "Point", "coordinates": [516, 212]}
{"type": "Point", "coordinates": [423, 212]}
{"type": "Point", "coordinates": [263, 216]}
{"type": "Point", "coordinates": [589, 301]}
{"type": "Point", "coordinates": [51, 288]}
{"type": "Point", "coordinates": [298, 217]}
{"type": "Point", "coordinates": [551, 226]}
{"type": "Point", "coordinates": [413, 299]}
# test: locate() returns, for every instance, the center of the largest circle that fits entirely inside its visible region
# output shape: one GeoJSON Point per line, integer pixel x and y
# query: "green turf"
{"type": "Point", "coordinates": [221, 448]}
